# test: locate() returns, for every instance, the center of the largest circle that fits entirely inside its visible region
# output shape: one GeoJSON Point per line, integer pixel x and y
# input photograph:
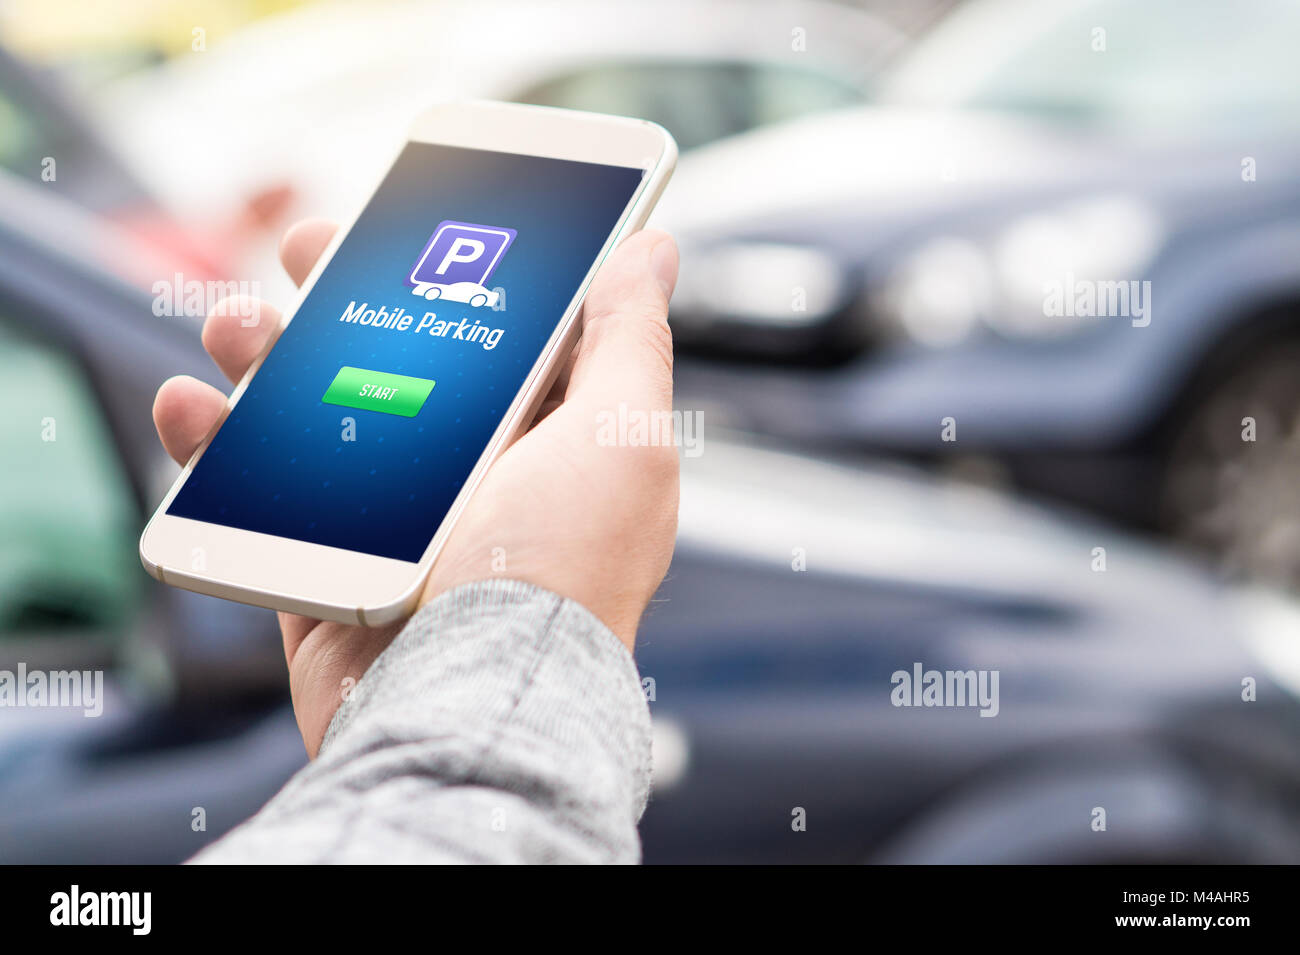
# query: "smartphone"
{"type": "Point", "coordinates": [419, 347]}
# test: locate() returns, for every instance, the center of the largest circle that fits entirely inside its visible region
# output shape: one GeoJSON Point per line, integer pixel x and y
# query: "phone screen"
{"type": "Point", "coordinates": [372, 409]}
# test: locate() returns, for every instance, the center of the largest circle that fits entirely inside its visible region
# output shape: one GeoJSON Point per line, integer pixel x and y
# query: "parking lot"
{"type": "Point", "coordinates": [988, 338]}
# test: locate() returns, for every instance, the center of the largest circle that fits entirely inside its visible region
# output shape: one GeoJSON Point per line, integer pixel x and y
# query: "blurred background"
{"type": "Point", "coordinates": [909, 454]}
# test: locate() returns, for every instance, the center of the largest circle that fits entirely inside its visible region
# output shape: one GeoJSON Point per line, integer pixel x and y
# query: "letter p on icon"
{"type": "Point", "coordinates": [461, 252]}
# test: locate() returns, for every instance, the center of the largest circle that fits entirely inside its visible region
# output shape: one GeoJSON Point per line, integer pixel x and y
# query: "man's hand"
{"type": "Point", "coordinates": [590, 522]}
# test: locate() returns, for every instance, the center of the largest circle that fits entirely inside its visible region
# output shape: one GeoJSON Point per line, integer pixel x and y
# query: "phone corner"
{"type": "Point", "coordinates": [668, 157]}
{"type": "Point", "coordinates": [380, 615]}
{"type": "Point", "coordinates": [152, 567]}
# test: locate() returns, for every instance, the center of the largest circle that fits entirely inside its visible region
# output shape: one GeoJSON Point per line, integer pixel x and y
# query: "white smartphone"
{"type": "Point", "coordinates": [420, 346]}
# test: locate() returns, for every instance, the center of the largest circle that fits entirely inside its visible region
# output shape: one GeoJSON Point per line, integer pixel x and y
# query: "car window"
{"type": "Point", "coordinates": [37, 124]}
{"type": "Point", "coordinates": [22, 142]}
{"type": "Point", "coordinates": [68, 517]}
{"type": "Point", "coordinates": [696, 102]}
{"type": "Point", "coordinates": [784, 92]}
{"type": "Point", "coordinates": [1157, 62]}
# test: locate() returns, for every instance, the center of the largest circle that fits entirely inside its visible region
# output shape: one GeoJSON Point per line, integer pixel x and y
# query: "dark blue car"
{"type": "Point", "coordinates": [1072, 228]}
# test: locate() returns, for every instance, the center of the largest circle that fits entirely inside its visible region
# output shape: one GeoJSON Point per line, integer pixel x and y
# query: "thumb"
{"type": "Point", "coordinates": [626, 354]}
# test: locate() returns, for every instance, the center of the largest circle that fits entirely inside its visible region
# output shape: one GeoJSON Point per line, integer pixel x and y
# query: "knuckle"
{"type": "Point", "coordinates": [656, 338]}
{"type": "Point", "coordinates": [644, 327]}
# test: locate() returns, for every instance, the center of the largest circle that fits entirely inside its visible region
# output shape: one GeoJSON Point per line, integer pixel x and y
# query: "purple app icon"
{"type": "Point", "coordinates": [457, 262]}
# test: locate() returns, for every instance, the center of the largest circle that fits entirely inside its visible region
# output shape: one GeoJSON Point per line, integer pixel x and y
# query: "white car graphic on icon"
{"type": "Point", "coordinates": [469, 292]}
{"type": "Point", "coordinates": [457, 262]}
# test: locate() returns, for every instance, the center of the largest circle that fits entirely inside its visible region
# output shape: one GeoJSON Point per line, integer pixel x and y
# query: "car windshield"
{"type": "Point", "coordinates": [43, 140]}
{"type": "Point", "coordinates": [698, 102]}
{"type": "Point", "coordinates": [1156, 63]}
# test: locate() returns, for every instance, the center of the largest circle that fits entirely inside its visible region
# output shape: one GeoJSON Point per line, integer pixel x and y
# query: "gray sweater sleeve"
{"type": "Point", "coordinates": [503, 724]}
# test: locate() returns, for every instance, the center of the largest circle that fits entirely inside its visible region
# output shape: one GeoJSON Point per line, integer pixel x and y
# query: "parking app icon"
{"type": "Point", "coordinates": [457, 262]}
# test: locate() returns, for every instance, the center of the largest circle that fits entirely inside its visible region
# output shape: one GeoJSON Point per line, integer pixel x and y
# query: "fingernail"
{"type": "Point", "coordinates": [663, 263]}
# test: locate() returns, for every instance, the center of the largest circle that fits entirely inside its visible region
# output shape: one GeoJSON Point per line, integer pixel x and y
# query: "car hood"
{"type": "Point", "coordinates": [856, 179]}
{"type": "Point", "coordinates": [902, 161]}
{"type": "Point", "coordinates": [894, 525]}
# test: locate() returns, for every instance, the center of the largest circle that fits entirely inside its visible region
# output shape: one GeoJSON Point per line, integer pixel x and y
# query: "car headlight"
{"type": "Point", "coordinates": [1269, 624]}
{"type": "Point", "coordinates": [940, 292]}
{"type": "Point", "coordinates": [763, 283]}
{"type": "Point", "coordinates": [1099, 239]}
{"type": "Point", "coordinates": [946, 288]}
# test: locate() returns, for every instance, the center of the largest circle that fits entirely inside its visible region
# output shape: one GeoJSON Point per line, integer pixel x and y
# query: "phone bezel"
{"type": "Point", "coordinates": [331, 583]}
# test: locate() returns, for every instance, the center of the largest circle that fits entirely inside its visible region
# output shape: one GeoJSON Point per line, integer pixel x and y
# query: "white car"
{"type": "Point", "coordinates": [469, 292]}
{"type": "Point", "coordinates": [319, 97]}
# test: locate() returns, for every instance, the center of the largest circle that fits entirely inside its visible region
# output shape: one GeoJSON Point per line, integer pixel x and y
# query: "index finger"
{"type": "Point", "coordinates": [236, 331]}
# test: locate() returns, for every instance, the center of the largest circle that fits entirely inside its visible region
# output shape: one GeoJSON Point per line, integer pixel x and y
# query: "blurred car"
{"type": "Point", "coordinates": [83, 357]}
{"type": "Point", "coordinates": [856, 279]}
{"type": "Point", "coordinates": [45, 139]}
{"type": "Point", "coordinates": [799, 587]}
{"type": "Point", "coordinates": [348, 78]}
{"type": "Point", "coordinates": [469, 292]}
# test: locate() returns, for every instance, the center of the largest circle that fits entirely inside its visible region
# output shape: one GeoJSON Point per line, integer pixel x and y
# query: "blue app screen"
{"type": "Point", "coordinates": [372, 409]}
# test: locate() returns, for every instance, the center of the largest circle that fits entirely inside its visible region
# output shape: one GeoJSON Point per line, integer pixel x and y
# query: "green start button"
{"type": "Point", "coordinates": [378, 391]}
